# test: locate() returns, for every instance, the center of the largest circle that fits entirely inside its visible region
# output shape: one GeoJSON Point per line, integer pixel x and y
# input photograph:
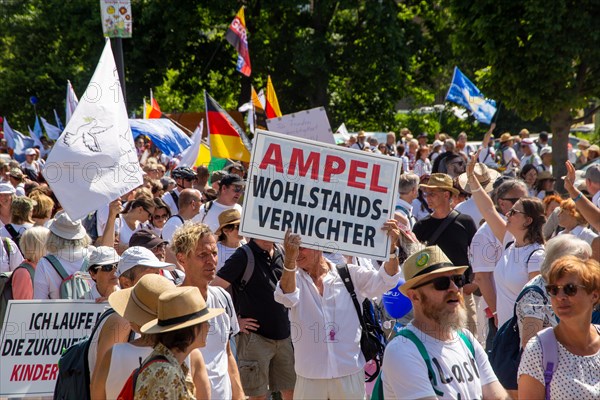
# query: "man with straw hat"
{"type": "Point", "coordinates": [139, 305]}
{"type": "Point", "coordinates": [509, 161]}
{"type": "Point", "coordinates": [435, 357]}
{"type": "Point", "coordinates": [449, 229]}
{"type": "Point", "coordinates": [180, 328]}
{"type": "Point", "coordinates": [360, 141]}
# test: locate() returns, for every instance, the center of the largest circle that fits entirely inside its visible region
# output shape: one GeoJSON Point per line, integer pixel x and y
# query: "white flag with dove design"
{"type": "Point", "coordinates": [94, 161]}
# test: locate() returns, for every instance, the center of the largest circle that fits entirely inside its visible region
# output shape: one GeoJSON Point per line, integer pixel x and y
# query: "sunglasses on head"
{"type": "Point", "coordinates": [106, 268]}
{"type": "Point", "coordinates": [570, 289]}
{"type": "Point", "coordinates": [443, 282]}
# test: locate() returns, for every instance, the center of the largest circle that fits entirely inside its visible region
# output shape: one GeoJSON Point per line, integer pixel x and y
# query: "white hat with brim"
{"type": "Point", "coordinates": [139, 304]}
{"type": "Point", "coordinates": [180, 308]}
{"type": "Point", "coordinates": [421, 265]}
{"type": "Point", "coordinates": [7, 188]}
{"type": "Point", "coordinates": [138, 255]}
{"type": "Point", "coordinates": [66, 228]}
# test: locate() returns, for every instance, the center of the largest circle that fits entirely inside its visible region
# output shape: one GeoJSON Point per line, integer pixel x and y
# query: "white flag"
{"type": "Point", "coordinates": [94, 161]}
{"type": "Point", "coordinates": [52, 131]}
{"type": "Point", "coordinates": [190, 155]}
{"type": "Point", "coordinates": [71, 102]}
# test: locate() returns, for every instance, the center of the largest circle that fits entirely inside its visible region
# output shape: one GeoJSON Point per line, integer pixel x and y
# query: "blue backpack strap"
{"type": "Point", "coordinates": [423, 351]}
{"type": "Point", "coordinates": [57, 266]}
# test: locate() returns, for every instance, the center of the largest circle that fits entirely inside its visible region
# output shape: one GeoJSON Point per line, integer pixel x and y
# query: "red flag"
{"type": "Point", "coordinates": [238, 37]}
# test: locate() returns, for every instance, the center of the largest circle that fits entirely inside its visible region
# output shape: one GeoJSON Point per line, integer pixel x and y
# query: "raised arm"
{"type": "Point", "coordinates": [291, 244]}
{"type": "Point", "coordinates": [488, 134]}
{"type": "Point", "coordinates": [589, 211]}
{"type": "Point", "coordinates": [484, 202]}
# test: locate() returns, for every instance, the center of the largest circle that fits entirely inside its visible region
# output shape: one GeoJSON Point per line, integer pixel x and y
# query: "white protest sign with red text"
{"type": "Point", "coordinates": [34, 335]}
{"type": "Point", "coordinates": [336, 198]}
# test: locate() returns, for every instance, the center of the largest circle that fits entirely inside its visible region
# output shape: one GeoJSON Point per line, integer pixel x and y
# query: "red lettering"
{"type": "Point", "coordinates": [334, 165]}
{"type": "Point", "coordinates": [46, 372]}
{"type": "Point", "coordinates": [312, 162]}
{"type": "Point", "coordinates": [38, 372]}
{"type": "Point", "coordinates": [14, 376]}
{"type": "Point", "coordinates": [375, 180]}
{"type": "Point", "coordinates": [53, 373]}
{"type": "Point", "coordinates": [28, 371]}
{"type": "Point", "coordinates": [273, 157]}
{"type": "Point", "coordinates": [355, 173]}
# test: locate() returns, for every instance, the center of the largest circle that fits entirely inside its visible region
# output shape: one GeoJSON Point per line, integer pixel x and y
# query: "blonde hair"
{"type": "Point", "coordinates": [186, 237]}
{"type": "Point", "coordinates": [568, 205]}
{"type": "Point", "coordinates": [43, 207]}
{"type": "Point", "coordinates": [33, 243]}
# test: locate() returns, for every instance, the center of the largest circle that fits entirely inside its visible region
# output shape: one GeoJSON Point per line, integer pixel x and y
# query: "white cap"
{"type": "Point", "coordinates": [30, 152]}
{"type": "Point", "coordinates": [7, 188]}
{"type": "Point", "coordinates": [138, 255]}
{"type": "Point", "coordinates": [104, 255]}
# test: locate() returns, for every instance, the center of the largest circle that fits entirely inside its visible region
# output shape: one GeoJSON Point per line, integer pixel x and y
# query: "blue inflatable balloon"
{"type": "Point", "coordinates": [395, 303]}
{"type": "Point", "coordinates": [33, 100]}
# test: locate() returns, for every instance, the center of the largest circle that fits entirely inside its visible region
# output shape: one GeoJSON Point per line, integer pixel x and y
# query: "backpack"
{"type": "Point", "coordinates": [372, 339]}
{"type": "Point", "coordinates": [90, 223]}
{"type": "Point", "coordinates": [249, 270]}
{"type": "Point", "coordinates": [74, 286]}
{"type": "Point", "coordinates": [73, 380]}
{"type": "Point", "coordinates": [6, 292]}
{"type": "Point", "coordinates": [14, 234]}
{"type": "Point", "coordinates": [408, 334]}
{"type": "Point", "coordinates": [505, 355]}
{"type": "Point", "coordinates": [128, 391]}
{"type": "Point", "coordinates": [207, 208]}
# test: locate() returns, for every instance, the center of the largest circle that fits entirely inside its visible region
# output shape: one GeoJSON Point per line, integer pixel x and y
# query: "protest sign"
{"type": "Point", "coordinates": [95, 161]}
{"type": "Point", "coordinates": [336, 198]}
{"type": "Point", "coordinates": [34, 335]}
{"type": "Point", "coordinates": [116, 18]}
{"type": "Point", "coordinates": [308, 124]}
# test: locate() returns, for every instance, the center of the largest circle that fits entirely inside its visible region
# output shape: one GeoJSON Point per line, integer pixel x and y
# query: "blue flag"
{"type": "Point", "coordinates": [164, 134]}
{"type": "Point", "coordinates": [464, 93]}
{"type": "Point", "coordinates": [58, 121]}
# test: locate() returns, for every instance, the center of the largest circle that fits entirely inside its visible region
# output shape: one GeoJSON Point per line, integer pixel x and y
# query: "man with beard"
{"type": "Point", "coordinates": [435, 357]}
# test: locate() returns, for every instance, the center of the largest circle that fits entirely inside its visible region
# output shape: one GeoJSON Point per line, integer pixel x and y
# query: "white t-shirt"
{"type": "Point", "coordinates": [19, 228]}
{"type": "Point", "coordinates": [485, 250]}
{"type": "Point", "coordinates": [417, 211]}
{"type": "Point", "coordinates": [46, 282]}
{"type": "Point", "coordinates": [576, 377]}
{"type": "Point", "coordinates": [508, 154]}
{"type": "Point", "coordinates": [422, 167]}
{"type": "Point", "coordinates": [596, 199]}
{"type": "Point", "coordinates": [469, 208]}
{"type": "Point", "coordinates": [124, 359]}
{"type": "Point", "coordinates": [487, 156]}
{"type": "Point", "coordinates": [168, 199]}
{"type": "Point", "coordinates": [222, 328]}
{"type": "Point", "coordinates": [457, 374]}
{"type": "Point", "coordinates": [10, 260]}
{"type": "Point", "coordinates": [171, 226]}
{"type": "Point", "coordinates": [511, 274]}
{"type": "Point", "coordinates": [583, 233]}
{"type": "Point", "coordinates": [212, 217]}
{"type": "Point", "coordinates": [125, 232]}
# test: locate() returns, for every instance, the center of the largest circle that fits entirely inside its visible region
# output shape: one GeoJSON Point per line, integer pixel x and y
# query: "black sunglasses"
{"type": "Point", "coordinates": [443, 282]}
{"type": "Point", "coordinates": [106, 268]}
{"type": "Point", "coordinates": [232, 227]}
{"type": "Point", "coordinates": [570, 289]}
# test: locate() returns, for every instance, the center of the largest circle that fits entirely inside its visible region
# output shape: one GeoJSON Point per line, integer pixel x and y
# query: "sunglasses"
{"type": "Point", "coordinates": [232, 227]}
{"type": "Point", "coordinates": [570, 289]}
{"type": "Point", "coordinates": [162, 216]}
{"type": "Point", "coordinates": [511, 199]}
{"type": "Point", "coordinates": [106, 268]}
{"type": "Point", "coordinates": [443, 282]}
{"type": "Point", "coordinates": [238, 189]}
{"type": "Point", "coordinates": [512, 212]}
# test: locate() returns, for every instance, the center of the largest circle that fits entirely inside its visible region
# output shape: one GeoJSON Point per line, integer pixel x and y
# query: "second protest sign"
{"type": "Point", "coordinates": [336, 198]}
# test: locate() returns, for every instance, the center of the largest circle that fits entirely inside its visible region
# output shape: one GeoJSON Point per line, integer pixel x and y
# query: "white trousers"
{"type": "Point", "coordinates": [346, 387]}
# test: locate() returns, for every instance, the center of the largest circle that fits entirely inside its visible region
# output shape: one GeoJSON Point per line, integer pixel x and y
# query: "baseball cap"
{"type": "Point", "coordinates": [30, 152]}
{"type": "Point", "coordinates": [232, 179]}
{"type": "Point", "coordinates": [103, 255]}
{"type": "Point", "coordinates": [145, 238]}
{"type": "Point", "coordinates": [138, 255]}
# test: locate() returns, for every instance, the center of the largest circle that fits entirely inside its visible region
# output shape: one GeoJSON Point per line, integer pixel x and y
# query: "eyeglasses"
{"type": "Point", "coordinates": [160, 216]}
{"type": "Point", "coordinates": [570, 289]}
{"type": "Point", "coordinates": [430, 193]}
{"type": "Point", "coordinates": [443, 282]}
{"type": "Point", "coordinates": [513, 211]}
{"type": "Point", "coordinates": [511, 199]}
{"type": "Point", "coordinates": [106, 268]}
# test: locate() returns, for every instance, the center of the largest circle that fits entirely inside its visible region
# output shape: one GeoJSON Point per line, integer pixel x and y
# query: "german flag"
{"type": "Point", "coordinates": [272, 106]}
{"type": "Point", "coordinates": [153, 109]}
{"type": "Point", "coordinates": [238, 37]}
{"type": "Point", "coordinates": [227, 139]}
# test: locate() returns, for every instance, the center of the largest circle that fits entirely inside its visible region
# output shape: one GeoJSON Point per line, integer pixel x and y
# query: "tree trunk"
{"type": "Point", "coordinates": [560, 123]}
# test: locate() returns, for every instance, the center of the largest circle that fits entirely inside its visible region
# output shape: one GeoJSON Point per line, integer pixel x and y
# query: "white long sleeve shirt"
{"type": "Point", "coordinates": [325, 329]}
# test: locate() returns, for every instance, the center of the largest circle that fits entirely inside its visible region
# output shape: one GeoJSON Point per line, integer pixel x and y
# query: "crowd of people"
{"type": "Point", "coordinates": [203, 312]}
